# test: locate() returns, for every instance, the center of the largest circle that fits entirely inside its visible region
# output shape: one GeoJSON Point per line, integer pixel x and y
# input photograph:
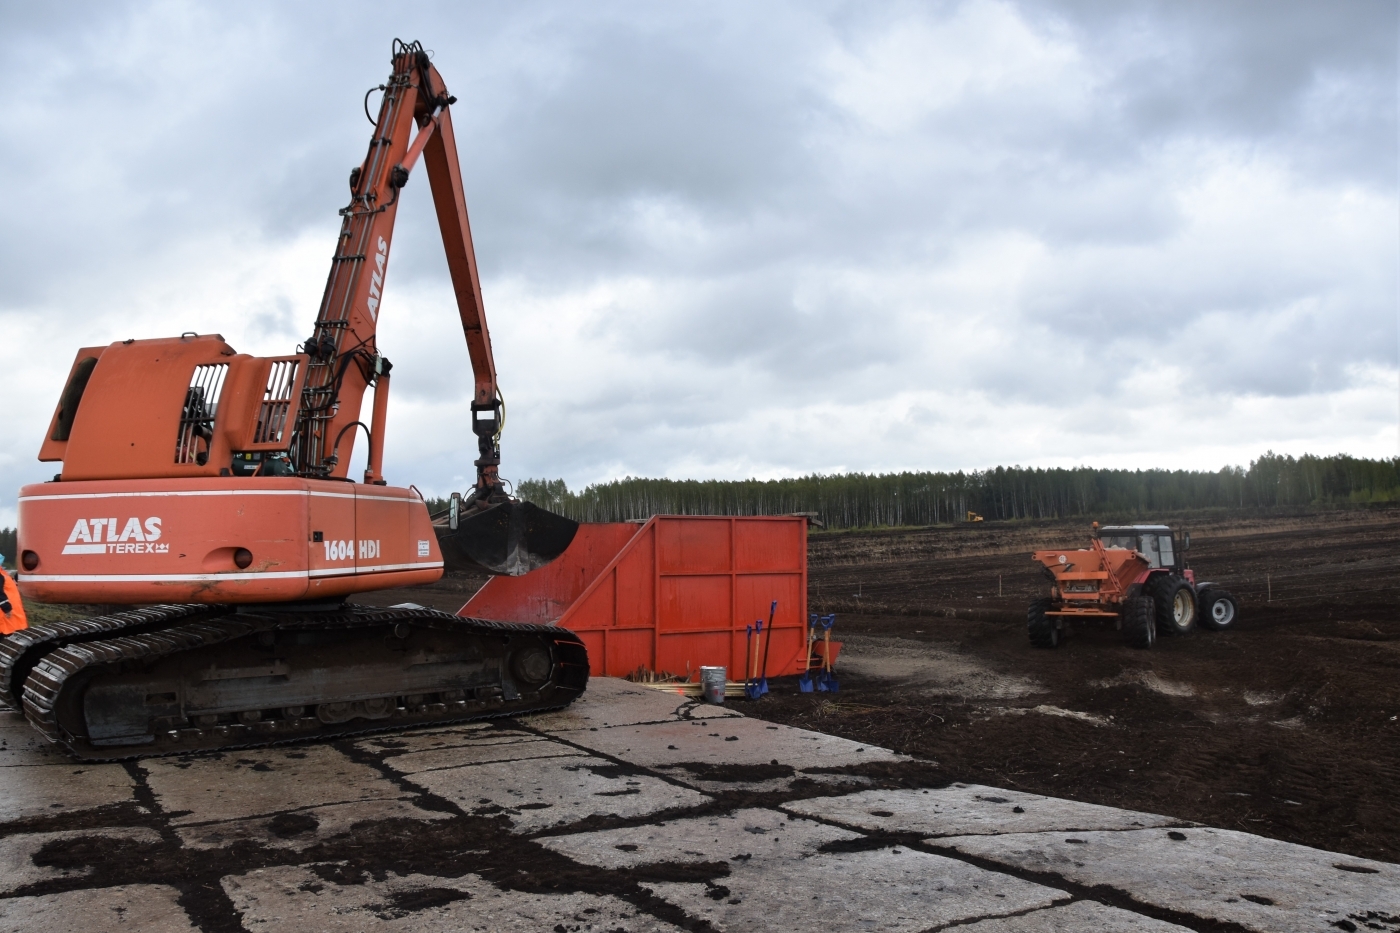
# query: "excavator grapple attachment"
{"type": "Point", "coordinates": [509, 539]}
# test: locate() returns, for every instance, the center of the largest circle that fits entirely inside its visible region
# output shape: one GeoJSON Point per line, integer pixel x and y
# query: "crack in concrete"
{"type": "Point", "coordinates": [1025, 911]}
{"type": "Point", "coordinates": [1102, 893]}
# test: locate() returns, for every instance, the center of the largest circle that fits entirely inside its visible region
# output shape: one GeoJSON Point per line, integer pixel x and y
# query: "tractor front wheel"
{"type": "Point", "coordinates": [1139, 622]}
{"type": "Point", "coordinates": [1218, 608]}
{"type": "Point", "coordinates": [1175, 603]}
{"type": "Point", "coordinates": [1044, 629]}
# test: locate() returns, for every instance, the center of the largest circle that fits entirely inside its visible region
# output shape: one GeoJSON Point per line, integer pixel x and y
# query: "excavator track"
{"type": "Point", "coordinates": [213, 679]}
{"type": "Point", "coordinates": [22, 650]}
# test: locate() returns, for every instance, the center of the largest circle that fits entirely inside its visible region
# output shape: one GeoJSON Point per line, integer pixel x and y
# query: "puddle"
{"type": "Point", "coordinates": [1151, 681]}
{"type": "Point", "coordinates": [1047, 710]}
{"type": "Point", "coordinates": [931, 670]}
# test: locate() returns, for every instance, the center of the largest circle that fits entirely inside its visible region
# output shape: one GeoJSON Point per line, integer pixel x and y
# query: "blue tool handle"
{"type": "Point", "coordinates": [828, 621]}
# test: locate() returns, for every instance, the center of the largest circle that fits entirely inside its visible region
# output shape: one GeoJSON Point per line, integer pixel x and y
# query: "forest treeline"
{"type": "Point", "coordinates": [862, 500]}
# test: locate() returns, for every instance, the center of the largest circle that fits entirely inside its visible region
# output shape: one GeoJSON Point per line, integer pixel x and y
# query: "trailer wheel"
{"type": "Point", "coordinates": [1218, 608]}
{"type": "Point", "coordinates": [1175, 604]}
{"type": "Point", "coordinates": [1139, 622]}
{"type": "Point", "coordinates": [1044, 629]}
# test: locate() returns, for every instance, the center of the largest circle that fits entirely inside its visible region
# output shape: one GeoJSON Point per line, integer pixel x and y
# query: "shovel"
{"type": "Point", "coordinates": [804, 683]}
{"type": "Point", "coordinates": [763, 681]}
{"type": "Point", "coordinates": [748, 660]}
{"type": "Point", "coordinates": [826, 681]}
{"type": "Point", "coordinates": [752, 688]}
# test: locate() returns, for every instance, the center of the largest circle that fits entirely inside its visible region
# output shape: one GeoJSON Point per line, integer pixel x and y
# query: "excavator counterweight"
{"type": "Point", "coordinates": [213, 486]}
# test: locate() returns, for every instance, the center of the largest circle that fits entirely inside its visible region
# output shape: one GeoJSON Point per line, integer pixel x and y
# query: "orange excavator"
{"type": "Point", "coordinates": [208, 490]}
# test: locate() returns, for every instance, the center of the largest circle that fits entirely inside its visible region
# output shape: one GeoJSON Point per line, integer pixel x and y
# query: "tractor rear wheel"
{"type": "Point", "coordinates": [1175, 603]}
{"type": "Point", "coordinates": [1044, 629]}
{"type": "Point", "coordinates": [1218, 608]}
{"type": "Point", "coordinates": [1139, 622]}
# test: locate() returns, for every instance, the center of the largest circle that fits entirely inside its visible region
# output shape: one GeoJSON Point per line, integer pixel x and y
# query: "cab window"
{"type": "Point", "coordinates": [1168, 560]}
{"type": "Point", "coordinates": [1150, 549]}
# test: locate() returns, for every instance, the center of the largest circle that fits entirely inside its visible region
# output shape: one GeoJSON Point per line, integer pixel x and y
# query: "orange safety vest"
{"type": "Point", "coordinates": [11, 609]}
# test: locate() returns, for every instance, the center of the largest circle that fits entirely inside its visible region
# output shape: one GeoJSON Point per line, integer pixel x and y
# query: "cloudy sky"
{"type": "Point", "coordinates": [750, 238]}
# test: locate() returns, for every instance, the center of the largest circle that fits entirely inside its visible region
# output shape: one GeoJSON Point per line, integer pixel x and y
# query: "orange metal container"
{"type": "Point", "coordinates": [670, 595]}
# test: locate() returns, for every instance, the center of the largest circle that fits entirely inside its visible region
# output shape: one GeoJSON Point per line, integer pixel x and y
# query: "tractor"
{"type": "Point", "coordinates": [1134, 575]}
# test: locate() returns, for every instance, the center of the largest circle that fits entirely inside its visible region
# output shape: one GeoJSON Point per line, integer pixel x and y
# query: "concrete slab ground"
{"type": "Point", "coordinates": [38, 791]}
{"type": "Point", "coordinates": [296, 897]}
{"type": "Point", "coordinates": [149, 908]}
{"type": "Point", "coordinates": [201, 789]}
{"type": "Point", "coordinates": [1217, 874]}
{"type": "Point", "coordinates": [966, 809]}
{"type": "Point", "coordinates": [537, 793]}
{"type": "Point", "coordinates": [798, 874]}
{"type": "Point", "coordinates": [633, 810]}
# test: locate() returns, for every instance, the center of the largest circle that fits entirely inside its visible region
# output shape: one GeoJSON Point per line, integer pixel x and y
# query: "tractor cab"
{"type": "Point", "coordinates": [1156, 543]}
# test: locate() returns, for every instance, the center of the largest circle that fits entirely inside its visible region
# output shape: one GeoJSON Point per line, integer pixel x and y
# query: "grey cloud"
{"type": "Point", "coordinates": [1250, 69]}
{"type": "Point", "coordinates": [787, 237]}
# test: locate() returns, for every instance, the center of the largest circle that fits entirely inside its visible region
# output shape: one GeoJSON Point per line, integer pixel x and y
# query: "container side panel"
{"type": "Point", "coordinates": [636, 584]}
{"type": "Point", "coordinates": [756, 593]}
{"type": "Point", "coordinates": [597, 652]}
{"type": "Point", "coordinates": [685, 653]}
{"type": "Point", "coordinates": [627, 651]}
{"type": "Point", "coordinates": [597, 609]}
{"type": "Point", "coordinates": [696, 603]}
{"type": "Point", "coordinates": [785, 656]}
{"type": "Point", "coordinates": [788, 653]}
{"type": "Point", "coordinates": [693, 545]}
{"type": "Point", "coordinates": [772, 545]}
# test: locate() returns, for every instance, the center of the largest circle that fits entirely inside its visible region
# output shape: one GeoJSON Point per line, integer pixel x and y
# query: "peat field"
{"type": "Point", "coordinates": [1288, 725]}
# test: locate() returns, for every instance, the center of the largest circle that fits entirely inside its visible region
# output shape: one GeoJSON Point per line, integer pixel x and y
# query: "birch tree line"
{"type": "Point", "coordinates": [862, 500]}
{"type": "Point", "coordinates": [865, 500]}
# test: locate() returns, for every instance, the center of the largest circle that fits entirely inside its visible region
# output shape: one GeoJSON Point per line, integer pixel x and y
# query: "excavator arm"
{"type": "Point", "coordinates": [415, 122]}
